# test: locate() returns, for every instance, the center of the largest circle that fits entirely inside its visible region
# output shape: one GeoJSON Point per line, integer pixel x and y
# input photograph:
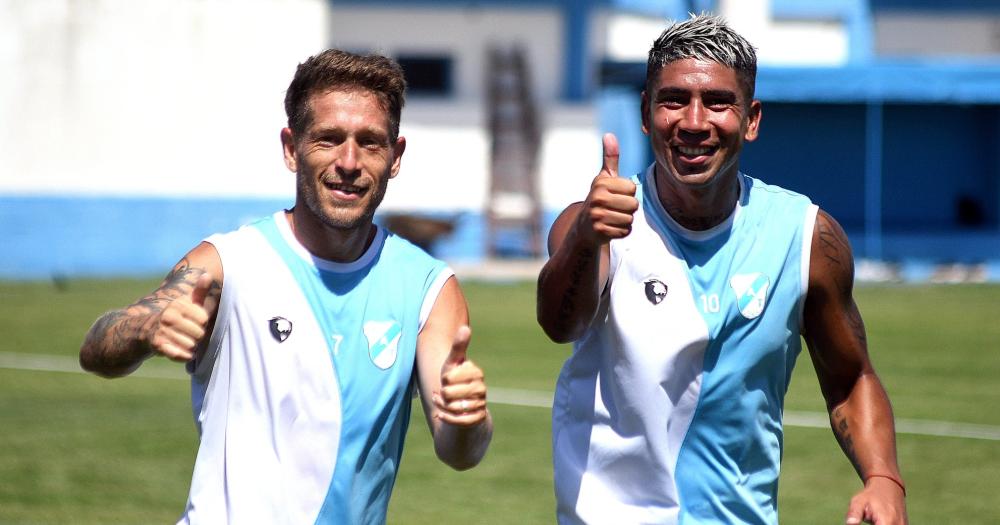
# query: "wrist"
{"type": "Point", "coordinates": [893, 478]}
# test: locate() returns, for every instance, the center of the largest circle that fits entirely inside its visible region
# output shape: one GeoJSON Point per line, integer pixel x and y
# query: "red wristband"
{"type": "Point", "coordinates": [894, 479]}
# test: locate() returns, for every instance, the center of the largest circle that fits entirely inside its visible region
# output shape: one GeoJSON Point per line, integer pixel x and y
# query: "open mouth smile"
{"type": "Point", "coordinates": [346, 190]}
{"type": "Point", "coordinates": [692, 152]}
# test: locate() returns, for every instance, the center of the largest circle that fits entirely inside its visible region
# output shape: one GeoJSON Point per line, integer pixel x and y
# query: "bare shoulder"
{"type": "Point", "coordinates": [202, 259]}
{"type": "Point", "coordinates": [831, 267]}
{"type": "Point", "coordinates": [181, 279]}
{"type": "Point", "coordinates": [449, 311]}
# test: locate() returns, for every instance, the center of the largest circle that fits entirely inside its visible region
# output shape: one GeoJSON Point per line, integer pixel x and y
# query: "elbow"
{"type": "Point", "coordinates": [466, 449]}
{"type": "Point", "coordinates": [460, 463]}
{"type": "Point", "coordinates": [90, 362]}
{"type": "Point", "coordinates": [558, 329]}
{"type": "Point", "coordinates": [557, 334]}
{"type": "Point", "coordinates": [87, 361]}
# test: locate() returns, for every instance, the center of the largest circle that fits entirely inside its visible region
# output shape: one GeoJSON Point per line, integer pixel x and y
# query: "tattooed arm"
{"type": "Point", "coordinates": [571, 282]}
{"type": "Point", "coordinates": [174, 320]}
{"type": "Point", "coordinates": [860, 413]}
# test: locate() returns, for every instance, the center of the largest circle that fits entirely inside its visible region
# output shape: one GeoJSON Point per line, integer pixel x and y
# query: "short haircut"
{"type": "Point", "coordinates": [704, 37]}
{"type": "Point", "coordinates": [339, 70]}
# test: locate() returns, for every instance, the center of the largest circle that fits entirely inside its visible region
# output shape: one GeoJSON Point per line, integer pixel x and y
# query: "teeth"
{"type": "Point", "coordinates": [693, 151]}
{"type": "Point", "coordinates": [344, 187]}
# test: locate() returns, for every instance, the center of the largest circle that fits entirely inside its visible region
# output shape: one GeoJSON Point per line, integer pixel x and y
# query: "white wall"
{"type": "Point", "coordinates": [152, 97]}
{"type": "Point", "coordinates": [463, 33]}
{"type": "Point", "coordinates": [184, 97]}
{"type": "Point", "coordinates": [446, 164]}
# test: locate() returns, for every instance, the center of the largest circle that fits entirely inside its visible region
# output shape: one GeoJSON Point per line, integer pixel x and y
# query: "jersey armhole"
{"type": "Point", "coordinates": [204, 364]}
{"type": "Point", "coordinates": [809, 224]}
{"type": "Point", "coordinates": [432, 294]}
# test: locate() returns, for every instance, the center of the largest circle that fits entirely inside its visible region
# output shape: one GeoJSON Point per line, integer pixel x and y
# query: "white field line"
{"type": "Point", "coordinates": [524, 398]}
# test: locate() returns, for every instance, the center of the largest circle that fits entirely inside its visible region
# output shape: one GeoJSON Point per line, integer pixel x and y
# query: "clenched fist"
{"type": "Point", "coordinates": [608, 211]}
{"type": "Point", "coordinates": [180, 327]}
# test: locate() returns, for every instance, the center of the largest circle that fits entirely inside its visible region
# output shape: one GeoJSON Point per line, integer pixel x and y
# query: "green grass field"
{"type": "Point", "coordinates": [78, 449]}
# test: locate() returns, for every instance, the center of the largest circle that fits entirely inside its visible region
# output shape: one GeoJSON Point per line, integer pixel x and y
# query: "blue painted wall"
{"type": "Point", "coordinates": [814, 149]}
{"type": "Point", "coordinates": [46, 237]}
{"type": "Point", "coordinates": [51, 237]}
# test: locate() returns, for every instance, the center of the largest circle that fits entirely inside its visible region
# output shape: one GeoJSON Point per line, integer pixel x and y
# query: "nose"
{"type": "Point", "coordinates": [694, 119]}
{"type": "Point", "coordinates": [347, 157]}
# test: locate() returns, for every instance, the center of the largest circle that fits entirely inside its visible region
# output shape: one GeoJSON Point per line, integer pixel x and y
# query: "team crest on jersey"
{"type": "Point", "coordinates": [751, 293]}
{"type": "Point", "coordinates": [383, 341]}
{"type": "Point", "coordinates": [281, 328]}
{"type": "Point", "coordinates": [656, 290]}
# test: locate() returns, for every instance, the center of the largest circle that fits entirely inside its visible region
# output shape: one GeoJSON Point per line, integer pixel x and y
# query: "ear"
{"type": "Point", "coordinates": [397, 156]}
{"type": "Point", "coordinates": [753, 121]}
{"type": "Point", "coordinates": [288, 149]}
{"type": "Point", "coordinates": [644, 108]}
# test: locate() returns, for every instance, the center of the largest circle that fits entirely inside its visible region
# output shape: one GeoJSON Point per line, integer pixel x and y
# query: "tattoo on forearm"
{"type": "Point", "coordinates": [121, 329]}
{"type": "Point", "coordinates": [568, 303]}
{"type": "Point", "coordinates": [843, 433]}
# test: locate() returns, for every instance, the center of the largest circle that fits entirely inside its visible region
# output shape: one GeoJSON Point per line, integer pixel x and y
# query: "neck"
{"type": "Point", "coordinates": [325, 242]}
{"type": "Point", "coordinates": [699, 208]}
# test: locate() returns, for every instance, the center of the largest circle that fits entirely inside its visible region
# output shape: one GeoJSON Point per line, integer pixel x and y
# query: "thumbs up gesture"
{"type": "Point", "coordinates": [607, 213]}
{"type": "Point", "coordinates": [181, 326]}
{"type": "Point", "coordinates": [462, 398]}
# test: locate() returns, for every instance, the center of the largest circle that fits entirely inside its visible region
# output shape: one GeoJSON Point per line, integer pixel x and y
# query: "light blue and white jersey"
{"type": "Point", "coordinates": [669, 409]}
{"type": "Point", "coordinates": [302, 398]}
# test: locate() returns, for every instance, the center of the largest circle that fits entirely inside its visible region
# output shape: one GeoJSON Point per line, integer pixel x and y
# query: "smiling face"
{"type": "Point", "coordinates": [697, 116]}
{"type": "Point", "coordinates": [344, 158]}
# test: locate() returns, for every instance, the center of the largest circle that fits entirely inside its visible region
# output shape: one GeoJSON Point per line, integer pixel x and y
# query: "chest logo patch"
{"type": "Point", "coordinates": [656, 290]}
{"type": "Point", "coordinates": [751, 293]}
{"type": "Point", "coordinates": [383, 341]}
{"type": "Point", "coordinates": [281, 328]}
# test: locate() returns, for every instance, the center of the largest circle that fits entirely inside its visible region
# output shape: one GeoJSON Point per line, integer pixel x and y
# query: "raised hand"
{"type": "Point", "coordinates": [462, 398]}
{"type": "Point", "coordinates": [607, 213]}
{"type": "Point", "coordinates": [176, 332]}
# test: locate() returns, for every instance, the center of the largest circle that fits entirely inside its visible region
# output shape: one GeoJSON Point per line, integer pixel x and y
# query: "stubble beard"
{"type": "Point", "coordinates": [329, 216]}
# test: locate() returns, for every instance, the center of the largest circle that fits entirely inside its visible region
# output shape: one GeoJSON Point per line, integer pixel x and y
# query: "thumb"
{"type": "Point", "coordinates": [201, 288]}
{"type": "Point", "coordinates": [610, 146]}
{"type": "Point", "coordinates": [459, 346]}
{"type": "Point", "coordinates": [855, 513]}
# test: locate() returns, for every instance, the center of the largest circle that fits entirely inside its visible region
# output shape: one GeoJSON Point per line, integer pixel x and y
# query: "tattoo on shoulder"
{"type": "Point", "coordinates": [836, 250]}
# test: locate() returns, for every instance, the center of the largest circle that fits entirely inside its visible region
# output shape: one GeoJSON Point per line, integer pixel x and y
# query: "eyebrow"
{"type": "Point", "coordinates": [724, 94]}
{"type": "Point", "coordinates": [364, 132]}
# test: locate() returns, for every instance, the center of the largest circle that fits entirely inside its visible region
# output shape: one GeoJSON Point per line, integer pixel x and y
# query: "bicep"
{"type": "Point", "coordinates": [436, 337]}
{"type": "Point", "coordinates": [833, 328]}
{"type": "Point", "coordinates": [180, 281]}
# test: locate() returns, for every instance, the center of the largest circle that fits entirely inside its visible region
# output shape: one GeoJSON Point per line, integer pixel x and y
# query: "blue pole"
{"type": "Point", "coordinates": [873, 180]}
{"type": "Point", "coordinates": [576, 67]}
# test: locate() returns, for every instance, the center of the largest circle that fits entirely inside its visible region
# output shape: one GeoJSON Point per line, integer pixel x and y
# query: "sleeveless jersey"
{"type": "Point", "coordinates": [302, 397]}
{"type": "Point", "coordinates": [669, 409]}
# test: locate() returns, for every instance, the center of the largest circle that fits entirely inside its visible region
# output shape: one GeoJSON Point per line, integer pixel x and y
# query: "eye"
{"type": "Point", "coordinates": [672, 102]}
{"type": "Point", "coordinates": [370, 144]}
{"type": "Point", "coordinates": [327, 140]}
{"type": "Point", "coordinates": [372, 140]}
{"type": "Point", "coordinates": [720, 102]}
